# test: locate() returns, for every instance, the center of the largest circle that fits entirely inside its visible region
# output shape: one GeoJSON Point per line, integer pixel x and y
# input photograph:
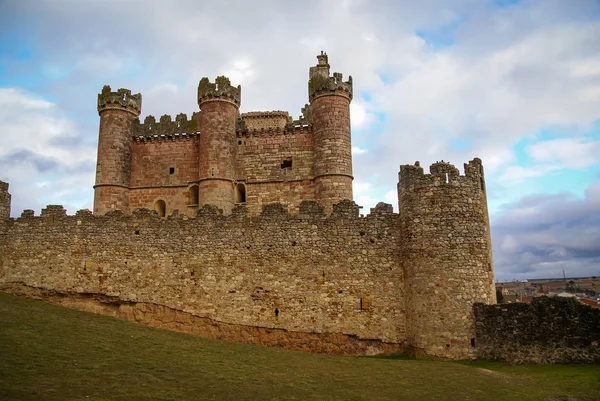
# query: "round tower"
{"type": "Point", "coordinates": [330, 99]}
{"type": "Point", "coordinates": [445, 255]}
{"type": "Point", "coordinates": [117, 110]}
{"type": "Point", "coordinates": [219, 104]}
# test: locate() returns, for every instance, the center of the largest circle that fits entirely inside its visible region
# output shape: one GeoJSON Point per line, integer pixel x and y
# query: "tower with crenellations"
{"type": "Point", "coordinates": [446, 255]}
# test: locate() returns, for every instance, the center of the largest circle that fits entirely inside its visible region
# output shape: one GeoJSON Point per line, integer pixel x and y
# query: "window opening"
{"type": "Point", "coordinates": [171, 170]}
{"type": "Point", "coordinates": [212, 171]}
{"type": "Point", "coordinates": [446, 178]}
{"type": "Point", "coordinates": [276, 312]}
{"type": "Point", "coordinates": [286, 163]}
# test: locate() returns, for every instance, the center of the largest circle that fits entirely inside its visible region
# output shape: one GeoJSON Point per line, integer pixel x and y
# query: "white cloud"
{"type": "Point", "coordinates": [40, 154]}
{"type": "Point", "coordinates": [357, 151]}
{"type": "Point", "coordinates": [576, 153]}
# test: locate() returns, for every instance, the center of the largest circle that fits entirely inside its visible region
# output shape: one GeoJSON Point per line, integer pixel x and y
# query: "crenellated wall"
{"type": "Point", "coordinates": [307, 273]}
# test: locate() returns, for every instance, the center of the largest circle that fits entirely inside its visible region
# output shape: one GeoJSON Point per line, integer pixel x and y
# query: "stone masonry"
{"type": "Point", "coordinates": [242, 227]}
{"type": "Point", "coordinates": [222, 157]}
{"type": "Point", "coordinates": [339, 283]}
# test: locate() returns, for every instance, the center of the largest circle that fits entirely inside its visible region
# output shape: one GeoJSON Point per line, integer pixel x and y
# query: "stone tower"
{"type": "Point", "coordinates": [4, 201]}
{"type": "Point", "coordinates": [445, 256]}
{"type": "Point", "coordinates": [117, 110]}
{"type": "Point", "coordinates": [219, 107]}
{"type": "Point", "coordinates": [330, 99]}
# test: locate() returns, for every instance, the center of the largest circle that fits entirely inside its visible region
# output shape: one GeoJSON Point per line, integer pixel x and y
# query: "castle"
{"type": "Point", "coordinates": [243, 228]}
{"type": "Point", "coordinates": [222, 158]}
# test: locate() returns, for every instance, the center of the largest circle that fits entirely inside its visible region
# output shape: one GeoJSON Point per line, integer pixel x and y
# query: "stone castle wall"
{"type": "Point", "coordinates": [277, 166]}
{"type": "Point", "coordinates": [163, 169]}
{"type": "Point", "coordinates": [308, 275]}
{"type": "Point", "coordinates": [547, 330]}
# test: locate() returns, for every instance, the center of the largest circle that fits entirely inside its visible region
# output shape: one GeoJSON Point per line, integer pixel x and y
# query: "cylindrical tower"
{"type": "Point", "coordinates": [219, 104]}
{"type": "Point", "coordinates": [117, 112]}
{"type": "Point", "coordinates": [446, 256]}
{"type": "Point", "coordinates": [332, 149]}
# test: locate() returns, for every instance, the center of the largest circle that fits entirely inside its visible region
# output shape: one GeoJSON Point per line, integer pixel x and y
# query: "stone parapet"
{"type": "Point", "coordinates": [220, 90]}
{"type": "Point", "coordinates": [119, 100]}
{"type": "Point", "coordinates": [320, 83]}
{"type": "Point", "coordinates": [165, 126]}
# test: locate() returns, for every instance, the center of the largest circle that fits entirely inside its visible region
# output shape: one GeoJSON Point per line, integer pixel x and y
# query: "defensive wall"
{"type": "Point", "coordinates": [338, 282]}
{"type": "Point", "coordinates": [547, 330]}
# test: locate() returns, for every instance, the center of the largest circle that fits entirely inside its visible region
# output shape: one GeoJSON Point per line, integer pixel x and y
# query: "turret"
{"type": "Point", "coordinates": [118, 110]}
{"type": "Point", "coordinates": [4, 201]}
{"type": "Point", "coordinates": [219, 104]}
{"type": "Point", "coordinates": [330, 99]}
{"type": "Point", "coordinates": [445, 255]}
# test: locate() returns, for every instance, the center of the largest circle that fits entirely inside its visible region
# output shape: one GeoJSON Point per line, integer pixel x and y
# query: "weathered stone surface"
{"type": "Point", "coordinates": [177, 320]}
{"type": "Point", "coordinates": [446, 256]}
{"type": "Point", "coordinates": [547, 330]}
{"type": "Point", "coordinates": [300, 274]}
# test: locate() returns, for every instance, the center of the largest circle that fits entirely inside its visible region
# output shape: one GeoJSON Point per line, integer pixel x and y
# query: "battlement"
{"type": "Point", "coordinates": [220, 90]}
{"type": "Point", "coordinates": [440, 173]}
{"type": "Point", "coordinates": [308, 209]}
{"type": "Point", "coordinates": [289, 129]}
{"type": "Point", "coordinates": [320, 83]}
{"type": "Point", "coordinates": [265, 119]}
{"type": "Point", "coordinates": [166, 128]}
{"type": "Point", "coordinates": [119, 100]}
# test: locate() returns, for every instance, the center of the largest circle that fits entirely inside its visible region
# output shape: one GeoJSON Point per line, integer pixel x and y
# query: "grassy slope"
{"type": "Point", "coordinates": [52, 353]}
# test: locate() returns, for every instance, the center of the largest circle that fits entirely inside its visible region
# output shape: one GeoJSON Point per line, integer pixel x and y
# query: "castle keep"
{"type": "Point", "coordinates": [222, 158]}
{"type": "Point", "coordinates": [242, 227]}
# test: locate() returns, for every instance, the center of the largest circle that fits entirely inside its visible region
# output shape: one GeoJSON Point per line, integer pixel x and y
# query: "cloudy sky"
{"type": "Point", "coordinates": [516, 83]}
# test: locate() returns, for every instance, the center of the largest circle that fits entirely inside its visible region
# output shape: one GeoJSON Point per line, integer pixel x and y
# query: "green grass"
{"type": "Point", "coordinates": [53, 353]}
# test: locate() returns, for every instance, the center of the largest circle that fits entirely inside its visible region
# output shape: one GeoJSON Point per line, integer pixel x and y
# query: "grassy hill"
{"type": "Point", "coordinates": [52, 353]}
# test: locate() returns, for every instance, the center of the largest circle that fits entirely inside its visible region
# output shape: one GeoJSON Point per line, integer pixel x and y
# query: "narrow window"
{"type": "Point", "coordinates": [161, 208]}
{"type": "Point", "coordinates": [212, 171]}
{"type": "Point", "coordinates": [286, 163]}
{"type": "Point", "coordinates": [171, 170]}
{"type": "Point", "coordinates": [446, 178]}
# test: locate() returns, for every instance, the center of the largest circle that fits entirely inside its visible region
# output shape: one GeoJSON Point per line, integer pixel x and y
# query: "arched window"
{"type": "Point", "coordinates": [161, 207]}
{"type": "Point", "coordinates": [193, 195]}
{"type": "Point", "coordinates": [240, 193]}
